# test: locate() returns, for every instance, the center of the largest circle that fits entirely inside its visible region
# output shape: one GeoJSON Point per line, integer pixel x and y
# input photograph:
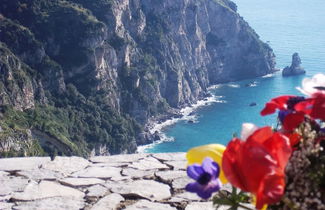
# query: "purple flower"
{"type": "Point", "coordinates": [206, 177]}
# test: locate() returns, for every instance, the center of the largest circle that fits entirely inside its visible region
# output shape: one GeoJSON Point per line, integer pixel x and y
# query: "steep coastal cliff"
{"type": "Point", "coordinates": [84, 76]}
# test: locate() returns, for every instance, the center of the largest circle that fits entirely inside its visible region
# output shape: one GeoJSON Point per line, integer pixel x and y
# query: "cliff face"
{"type": "Point", "coordinates": [98, 70]}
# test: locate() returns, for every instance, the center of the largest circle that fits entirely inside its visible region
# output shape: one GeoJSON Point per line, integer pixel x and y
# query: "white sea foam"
{"type": "Point", "coordinates": [163, 138]}
{"type": "Point", "coordinates": [233, 85]}
{"type": "Point", "coordinates": [187, 114]}
{"type": "Point", "coordinates": [252, 84]}
{"type": "Point", "coordinates": [214, 86]}
{"type": "Point", "coordinates": [268, 76]}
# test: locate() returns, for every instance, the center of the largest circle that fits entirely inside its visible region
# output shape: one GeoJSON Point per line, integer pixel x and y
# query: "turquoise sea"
{"type": "Point", "coordinates": [288, 26]}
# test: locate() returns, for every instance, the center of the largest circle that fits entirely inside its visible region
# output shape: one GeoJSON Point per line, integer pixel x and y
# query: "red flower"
{"type": "Point", "coordinates": [294, 139]}
{"type": "Point", "coordinates": [257, 165]}
{"type": "Point", "coordinates": [314, 106]}
{"type": "Point", "coordinates": [293, 120]}
{"type": "Point", "coordinates": [276, 103]}
{"type": "Point", "coordinates": [289, 117]}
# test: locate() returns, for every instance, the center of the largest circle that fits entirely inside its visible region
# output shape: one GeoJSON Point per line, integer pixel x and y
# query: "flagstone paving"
{"type": "Point", "coordinates": [136, 181]}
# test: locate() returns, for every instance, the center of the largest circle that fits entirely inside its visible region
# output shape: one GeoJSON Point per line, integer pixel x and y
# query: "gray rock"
{"type": "Point", "coordinates": [6, 206]}
{"type": "Point", "coordinates": [55, 203]}
{"type": "Point", "coordinates": [200, 205]}
{"type": "Point", "coordinates": [178, 164]}
{"type": "Point", "coordinates": [10, 185]}
{"type": "Point", "coordinates": [109, 202]}
{"type": "Point", "coordinates": [135, 173]}
{"type": "Point", "coordinates": [149, 189]}
{"type": "Point", "coordinates": [79, 182]}
{"type": "Point", "coordinates": [185, 196]}
{"type": "Point", "coordinates": [98, 172]}
{"type": "Point", "coordinates": [117, 158]}
{"type": "Point", "coordinates": [3, 174]}
{"type": "Point", "coordinates": [41, 174]}
{"type": "Point", "coordinates": [170, 175]}
{"type": "Point", "coordinates": [96, 191]}
{"type": "Point", "coordinates": [19, 164]}
{"type": "Point", "coordinates": [46, 189]}
{"type": "Point", "coordinates": [149, 163]}
{"type": "Point", "coordinates": [170, 156]}
{"type": "Point", "coordinates": [180, 183]}
{"type": "Point", "coordinates": [147, 205]}
{"type": "Point", "coordinates": [114, 164]}
{"type": "Point", "coordinates": [66, 165]}
{"type": "Point", "coordinates": [5, 198]}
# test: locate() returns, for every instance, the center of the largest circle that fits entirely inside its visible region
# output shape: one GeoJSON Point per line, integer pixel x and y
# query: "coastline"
{"type": "Point", "coordinates": [154, 129]}
{"type": "Point", "coordinates": [156, 125]}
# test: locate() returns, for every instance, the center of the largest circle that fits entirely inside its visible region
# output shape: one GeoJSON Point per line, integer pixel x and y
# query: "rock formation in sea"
{"type": "Point", "coordinates": [295, 68]}
{"type": "Point", "coordinates": [82, 77]}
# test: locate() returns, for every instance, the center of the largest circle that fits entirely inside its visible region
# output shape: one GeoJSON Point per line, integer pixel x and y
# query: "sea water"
{"type": "Point", "coordinates": [288, 26]}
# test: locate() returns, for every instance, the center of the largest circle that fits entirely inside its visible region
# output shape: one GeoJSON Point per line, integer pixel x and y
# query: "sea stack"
{"type": "Point", "coordinates": [295, 68]}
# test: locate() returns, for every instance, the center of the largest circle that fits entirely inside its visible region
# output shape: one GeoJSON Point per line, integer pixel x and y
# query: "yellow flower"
{"type": "Point", "coordinates": [214, 151]}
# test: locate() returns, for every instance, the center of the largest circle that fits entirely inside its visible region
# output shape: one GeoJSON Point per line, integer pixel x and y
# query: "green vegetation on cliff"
{"type": "Point", "coordinates": [84, 76]}
{"type": "Point", "coordinates": [51, 38]}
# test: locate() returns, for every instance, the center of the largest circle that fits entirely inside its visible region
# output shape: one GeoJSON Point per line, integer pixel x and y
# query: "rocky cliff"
{"type": "Point", "coordinates": [86, 76]}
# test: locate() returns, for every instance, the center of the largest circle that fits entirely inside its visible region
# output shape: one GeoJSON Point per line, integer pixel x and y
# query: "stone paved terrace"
{"type": "Point", "coordinates": [138, 181]}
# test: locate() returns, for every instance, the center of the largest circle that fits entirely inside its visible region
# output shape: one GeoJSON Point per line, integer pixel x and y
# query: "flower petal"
{"type": "Point", "coordinates": [193, 187]}
{"type": "Point", "coordinates": [231, 164]}
{"type": "Point", "coordinates": [293, 120]}
{"type": "Point", "coordinates": [213, 186]}
{"type": "Point", "coordinates": [198, 154]}
{"type": "Point", "coordinates": [214, 151]}
{"type": "Point", "coordinates": [194, 171]}
{"type": "Point", "coordinates": [276, 103]}
{"type": "Point", "coordinates": [261, 135]}
{"type": "Point", "coordinates": [314, 107]}
{"type": "Point", "coordinates": [279, 148]}
{"type": "Point", "coordinates": [271, 190]}
{"type": "Point", "coordinates": [211, 167]}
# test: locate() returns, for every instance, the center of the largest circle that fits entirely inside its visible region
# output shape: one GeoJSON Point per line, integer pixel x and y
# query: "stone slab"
{"type": "Point", "coordinates": [149, 189]}
{"type": "Point", "coordinates": [177, 165]}
{"type": "Point", "coordinates": [185, 196]}
{"type": "Point", "coordinates": [109, 202]}
{"type": "Point", "coordinates": [170, 175]}
{"type": "Point", "coordinates": [98, 172]}
{"type": "Point", "coordinates": [135, 173]}
{"type": "Point", "coordinates": [46, 189]}
{"type": "Point", "coordinates": [6, 206]}
{"type": "Point", "coordinates": [55, 203]}
{"type": "Point", "coordinates": [80, 182]}
{"type": "Point", "coordinates": [96, 191]}
{"type": "Point", "coordinates": [180, 183]}
{"type": "Point", "coordinates": [170, 156]}
{"type": "Point", "coordinates": [147, 205]}
{"type": "Point", "coordinates": [66, 165]}
{"type": "Point", "coordinates": [149, 163]}
{"type": "Point", "coordinates": [19, 164]}
{"type": "Point", "coordinates": [200, 205]}
{"type": "Point", "coordinates": [41, 174]}
{"type": "Point", "coordinates": [118, 158]}
{"type": "Point", "coordinates": [9, 185]}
